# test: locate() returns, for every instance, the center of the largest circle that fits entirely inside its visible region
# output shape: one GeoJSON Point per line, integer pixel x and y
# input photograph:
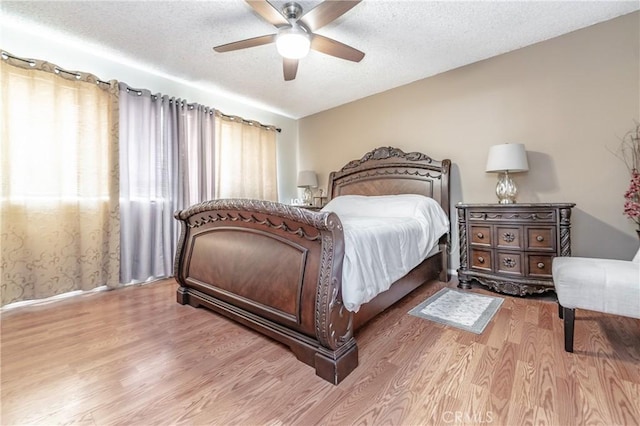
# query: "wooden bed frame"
{"type": "Point", "coordinates": [278, 268]}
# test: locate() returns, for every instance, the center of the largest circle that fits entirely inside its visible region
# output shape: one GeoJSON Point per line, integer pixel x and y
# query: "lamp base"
{"type": "Point", "coordinates": [306, 198]}
{"type": "Point", "coordinates": [506, 189]}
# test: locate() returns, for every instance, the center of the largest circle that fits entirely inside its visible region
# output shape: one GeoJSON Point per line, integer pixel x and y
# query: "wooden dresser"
{"type": "Point", "coordinates": [509, 248]}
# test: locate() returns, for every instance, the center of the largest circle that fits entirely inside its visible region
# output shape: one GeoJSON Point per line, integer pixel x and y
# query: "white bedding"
{"type": "Point", "coordinates": [385, 238]}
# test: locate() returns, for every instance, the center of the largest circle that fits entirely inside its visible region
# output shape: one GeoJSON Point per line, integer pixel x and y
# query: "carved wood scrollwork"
{"type": "Point", "coordinates": [383, 153]}
{"type": "Point", "coordinates": [565, 232]}
{"type": "Point", "coordinates": [334, 324]}
{"type": "Point", "coordinates": [252, 219]}
{"type": "Point", "coordinates": [462, 236]}
{"type": "Point", "coordinates": [544, 216]}
{"type": "Point", "coordinates": [509, 262]}
{"type": "Point", "coordinates": [387, 172]}
{"type": "Point", "coordinates": [242, 210]}
{"type": "Point", "coordinates": [509, 237]}
{"type": "Point", "coordinates": [565, 216]}
{"type": "Point", "coordinates": [565, 241]}
{"type": "Point", "coordinates": [514, 289]}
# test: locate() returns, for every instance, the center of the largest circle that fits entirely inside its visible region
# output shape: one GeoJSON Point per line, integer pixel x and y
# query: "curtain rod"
{"type": "Point", "coordinates": [57, 69]}
{"type": "Point", "coordinates": [249, 122]}
{"type": "Point", "coordinates": [226, 116]}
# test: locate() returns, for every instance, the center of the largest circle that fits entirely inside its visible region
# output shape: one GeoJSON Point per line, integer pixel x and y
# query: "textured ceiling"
{"type": "Point", "coordinates": [404, 41]}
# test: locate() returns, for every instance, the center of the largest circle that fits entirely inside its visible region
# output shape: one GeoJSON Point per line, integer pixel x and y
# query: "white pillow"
{"type": "Point", "coordinates": [402, 205]}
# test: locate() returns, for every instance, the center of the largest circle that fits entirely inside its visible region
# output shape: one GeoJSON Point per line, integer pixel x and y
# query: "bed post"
{"type": "Point", "coordinates": [338, 355]}
{"type": "Point", "coordinates": [445, 240]}
{"type": "Point", "coordinates": [182, 295]}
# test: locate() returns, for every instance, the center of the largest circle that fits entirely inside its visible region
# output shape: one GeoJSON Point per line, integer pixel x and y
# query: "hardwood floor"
{"type": "Point", "coordinates": [135, 356]}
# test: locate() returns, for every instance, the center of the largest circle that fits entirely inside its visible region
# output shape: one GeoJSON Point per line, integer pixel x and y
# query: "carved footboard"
{"type": "Point", "coordinates": [274, 268]}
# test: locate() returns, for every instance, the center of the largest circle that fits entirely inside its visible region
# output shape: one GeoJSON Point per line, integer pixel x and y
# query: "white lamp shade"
{"type": "Point", "coordinates": [507, 157]}
{"type": "Point", "coordinates": [307, 179]}
{"type": "Point", "coordinates": [293, 43]}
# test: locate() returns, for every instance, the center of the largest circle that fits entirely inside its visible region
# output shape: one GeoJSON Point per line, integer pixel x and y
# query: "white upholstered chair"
{"type": "Point", "coordinates": [601, 285]}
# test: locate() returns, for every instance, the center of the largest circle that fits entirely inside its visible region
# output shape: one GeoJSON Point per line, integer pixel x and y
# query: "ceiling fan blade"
{"type": "Point", "coordinates": [290, 67]}
{"type": "Point", "coordinates": [326, 12]}
{"type": "Point", "coordinates": [268, 12]}
{"type": "Point", "coordinates": [335, 48]}
{"type": "Point", "coordinates": [243, 44]}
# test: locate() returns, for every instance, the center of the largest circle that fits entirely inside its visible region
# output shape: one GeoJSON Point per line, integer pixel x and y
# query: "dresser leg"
{"type": "Point", "coordinates": [464, 283]}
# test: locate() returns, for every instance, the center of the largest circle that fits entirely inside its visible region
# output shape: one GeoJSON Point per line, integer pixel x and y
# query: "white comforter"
{"type": "Point", "coordinates": [385, 238]}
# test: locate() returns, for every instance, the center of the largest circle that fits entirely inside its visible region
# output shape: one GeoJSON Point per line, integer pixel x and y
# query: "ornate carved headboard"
{"type": "Point", "coordinates": [389, 171]}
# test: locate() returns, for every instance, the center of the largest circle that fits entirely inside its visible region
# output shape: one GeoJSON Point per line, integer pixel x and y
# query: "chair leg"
{"type": "Point", "coordinates": [569, 319]}
{"type": "Point", "coordinates": [560, 308]}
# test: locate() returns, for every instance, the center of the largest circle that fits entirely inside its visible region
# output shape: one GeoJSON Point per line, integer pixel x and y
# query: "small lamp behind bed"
{"type": "Point", "coordinates": [307, 179]}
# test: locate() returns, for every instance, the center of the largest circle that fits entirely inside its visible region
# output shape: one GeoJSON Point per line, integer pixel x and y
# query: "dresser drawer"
{"type": "Point", "coordinates": [541, 238]}
{"type": "Point", "coordinates": [481, 235]}
{"type": "Point", "coordinates": [509, 237]}
{"type": "Point", "coordinates": [509, 263]}
{"type": "Point", "coordinates": [481, 259]}
{"type": "Point", "coordinates": [539, 265]}
{"type": "Point", "coordinates": [513, 214]}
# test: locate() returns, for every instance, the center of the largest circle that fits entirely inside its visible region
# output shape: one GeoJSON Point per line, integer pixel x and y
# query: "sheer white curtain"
{"type": "Point", "coordinates": [147, 168]}
{"type": "Point", "coordinates": [197, 138]}
{"type": "Point", "coordinates": [167, 163]}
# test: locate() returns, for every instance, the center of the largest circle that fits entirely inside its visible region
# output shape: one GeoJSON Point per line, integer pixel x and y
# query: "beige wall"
{"type": "Point", "coordinates": [568, 100]}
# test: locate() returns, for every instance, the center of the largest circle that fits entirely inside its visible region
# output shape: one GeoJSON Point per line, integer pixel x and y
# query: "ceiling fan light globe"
{"type": "Point", "coordinates": [293, 43]}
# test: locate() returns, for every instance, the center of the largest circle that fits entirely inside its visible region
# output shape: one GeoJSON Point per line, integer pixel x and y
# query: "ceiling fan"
{"type": "Point", "coordinates": [296, 35]}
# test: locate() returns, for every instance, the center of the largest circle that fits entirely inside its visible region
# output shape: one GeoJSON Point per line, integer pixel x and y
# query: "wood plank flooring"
{"type": "Point", "coordinates": [135, 356]}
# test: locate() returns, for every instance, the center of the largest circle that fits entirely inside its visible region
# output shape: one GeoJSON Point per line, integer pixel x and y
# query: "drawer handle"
{"type": "Point", "coordinates": [481, 259]}
{"type": "Point", "coordinates": [540, 265]}
{"type": "Point", "coordinates": [480, 235]}
{"type": "Point", "coordinates": [508, 237]}
{"type": "Point", "coordinates": [509, 262]}
{"type": "Point", "coordinates": [540, 238]}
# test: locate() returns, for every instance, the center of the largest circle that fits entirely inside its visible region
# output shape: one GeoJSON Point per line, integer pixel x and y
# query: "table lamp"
{"type": "Point", "coordinates": [307, 179]}
{"type": "Point", "coordinates": [504, 159]}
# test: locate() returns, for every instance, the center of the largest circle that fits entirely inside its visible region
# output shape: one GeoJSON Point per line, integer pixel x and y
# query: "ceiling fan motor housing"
{"type": "Point", "coordinates": [292, 10]}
